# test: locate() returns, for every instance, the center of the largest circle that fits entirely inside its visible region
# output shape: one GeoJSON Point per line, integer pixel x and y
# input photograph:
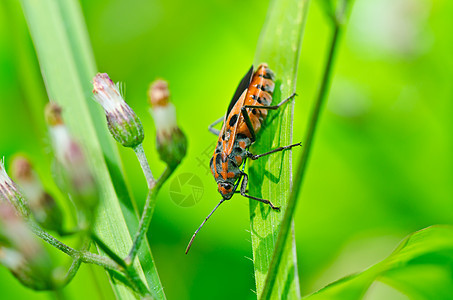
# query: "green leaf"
{"type": "Point", "coordinates": [67, 65]}
{"type": "Point", "coordinates": [421, 267]}
{"type": "Point", "coordinates": [422, 282]}
{"type": "Point", "coordinates": [270, 176]}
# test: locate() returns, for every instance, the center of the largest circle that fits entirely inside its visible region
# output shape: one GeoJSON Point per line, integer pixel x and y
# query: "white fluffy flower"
{"type": "Point", "coordinates": [10, 193]}
{"type": "Point", "coordinates": [123, 123]}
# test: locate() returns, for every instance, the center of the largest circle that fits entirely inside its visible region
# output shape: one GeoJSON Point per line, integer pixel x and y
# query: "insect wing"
{"type": "Point", "coordinates": [231, 122]}
{"type": "Point", "coordinates": [243, 85]}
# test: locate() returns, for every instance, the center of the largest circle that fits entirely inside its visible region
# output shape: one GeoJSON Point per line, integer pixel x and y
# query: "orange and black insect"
{"type": "Point", "coordinates": [243, 119]}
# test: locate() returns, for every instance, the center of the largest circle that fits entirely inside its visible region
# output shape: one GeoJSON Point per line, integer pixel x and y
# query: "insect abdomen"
{"type": "Point", "coordinates": [260, 93]}
{"type": "Point", "coordinates": [239, 152]}
{"type": "Point", "coordinates": [235, 138]}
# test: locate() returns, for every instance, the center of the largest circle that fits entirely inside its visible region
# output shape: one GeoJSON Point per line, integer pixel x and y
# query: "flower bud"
{"type": "Point", "coordinates": [10, 193]}
{"type": "Point", "coordinates": [42, 205]}
{"type": "Point", "coordinates": [22, 253]}
{"type": "Point", "coordinates": [123, 123]}
{"type": "Point", "coordinates": [171, 141]}
{"type": "Point", "coordinates": [71, 169]}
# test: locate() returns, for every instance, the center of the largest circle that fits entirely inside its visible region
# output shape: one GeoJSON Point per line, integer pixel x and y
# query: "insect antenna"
{"type": "Point", "coordinates": [195, 234]}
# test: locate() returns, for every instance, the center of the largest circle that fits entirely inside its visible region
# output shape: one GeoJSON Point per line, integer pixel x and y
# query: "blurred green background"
{"type": "Point", "coordinates": [381, 166]}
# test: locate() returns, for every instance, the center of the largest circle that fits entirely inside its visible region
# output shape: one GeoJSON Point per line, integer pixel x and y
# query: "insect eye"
{"type": "Point", "coordinates": [227, 186]}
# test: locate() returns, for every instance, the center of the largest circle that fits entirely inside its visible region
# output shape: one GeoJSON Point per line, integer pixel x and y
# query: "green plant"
{"type": "Point", "coordinates": [270, 177]}
{"type": "Point", "coordinates": [419, 267]}
{"type": "Point", "coordinates": [282, 243]}
{"type": "Point", "coordinates": [68, 75]}
{"type": "Point", "coordinates": [426, 245]}
{"type": "Point", "coordinates": [68, 66]}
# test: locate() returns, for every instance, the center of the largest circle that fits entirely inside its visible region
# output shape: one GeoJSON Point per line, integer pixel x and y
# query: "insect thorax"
{"type": "Point", "coordinates": [226, 166]}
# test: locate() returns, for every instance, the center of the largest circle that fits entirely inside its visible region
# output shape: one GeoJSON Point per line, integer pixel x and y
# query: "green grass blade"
{"type": "Point", "coordinates": [420, 267]}
{"type": "Point", "coordinates": [67, 65]}
{"type": "Point", "coordinates": [270, 176]}
{"type": "Point", "coordinates": [286, 223]}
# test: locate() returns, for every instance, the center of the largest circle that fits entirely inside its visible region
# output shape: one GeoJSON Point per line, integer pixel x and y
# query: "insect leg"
{"type": "Point", "coordinates": [272, 107]}
{"type": "Point", "coordinates": [248, 122]}
{"type": "Point", "coordinates": [237, 192]}
{"type": "Point", "coordinates": [253, 157]}
{"type": "Point", "coordinates": [212, 129]}
{"type": "Point", "coordinates": [243, 193]}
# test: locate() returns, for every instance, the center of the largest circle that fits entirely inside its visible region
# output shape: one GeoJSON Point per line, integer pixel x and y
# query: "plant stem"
{"type": "Point", "coordinates": [108, 251]}
{"type": "Point", "coordinates": [88, 257]}
{"type": "Point", "coordinates": [136, 282]}
{"type": "Point", "coordinates": [72, 271]}
{"type": "Point", "coordinates": [84, 256]}
{"type": "Point", "coordinates": [52, 240]}
{"type": "Point", "coordinates": [291, 205]}
{"type": "Point", "coordinates": [147, 214]}
{"type": "Point", "coordinates": [141, 156]}
{"type": "Point", "coordinates": [132, 275]}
